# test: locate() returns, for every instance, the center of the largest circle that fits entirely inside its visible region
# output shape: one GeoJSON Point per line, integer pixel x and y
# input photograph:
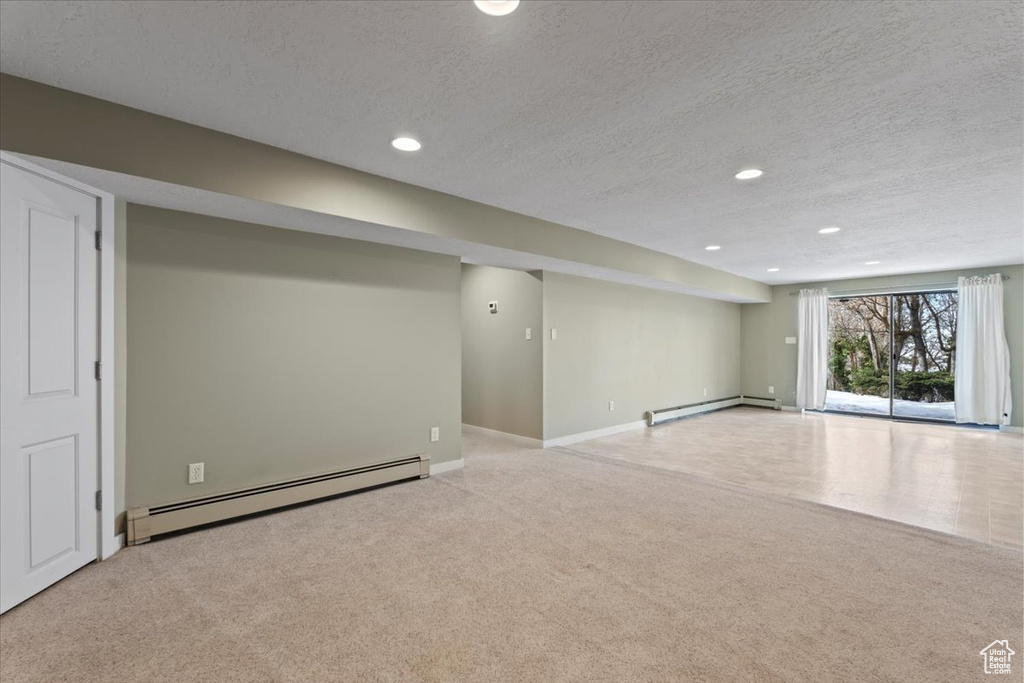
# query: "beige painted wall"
{"type": "Point", "coordinates": [643, 349]}
{"type": "Point", "coordinates": [502, 371]}
{"type": "Point", "coordinates": [270, 354]}
{"type": "Point", "coordinates": [768, 360]}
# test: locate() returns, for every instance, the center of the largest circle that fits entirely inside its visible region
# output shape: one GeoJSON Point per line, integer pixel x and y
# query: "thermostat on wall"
{"type": "Point", "coordinates": [492, 306]}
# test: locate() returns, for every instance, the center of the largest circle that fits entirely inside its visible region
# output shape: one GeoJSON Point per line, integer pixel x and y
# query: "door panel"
{"type": "Point", "coordinates": [858, 379]}
{"type": "Point", "coordinates": [52, 470]}
{"type": "Point", "coordinates": [50, 301]}
{"type": "Point", "coordinates": [48, 395]}
{"type": "Point", "coordinates": [924, 341]}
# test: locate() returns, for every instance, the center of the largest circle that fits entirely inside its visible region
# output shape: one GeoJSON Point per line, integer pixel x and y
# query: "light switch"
{"type": "Point", "coordinates": [554, 333]}
{"type": "Point", "coordinates": [529, 334]}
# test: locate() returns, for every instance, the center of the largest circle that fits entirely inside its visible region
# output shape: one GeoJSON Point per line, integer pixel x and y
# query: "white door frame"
{"type": "Point", "coordinates": [108, 542]}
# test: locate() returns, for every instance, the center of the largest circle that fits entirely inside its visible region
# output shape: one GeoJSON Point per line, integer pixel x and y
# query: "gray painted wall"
{"type": "Point", "coordinates": [768, 360]}
{"type": "Point", "coordinates": [643, 349]}
{"type": "Point", "coordinates": [270, 354]}
{"type": "Point", "coordinates": [502, 371]}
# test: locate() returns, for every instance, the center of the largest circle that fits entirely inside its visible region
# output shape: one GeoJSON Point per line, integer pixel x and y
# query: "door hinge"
{"type": "Point", "coordinates": [99, 500]}
{"type": "Point", "coordinates": [98, 371]}
{"type": "Point", "coordinates": [99, 240]}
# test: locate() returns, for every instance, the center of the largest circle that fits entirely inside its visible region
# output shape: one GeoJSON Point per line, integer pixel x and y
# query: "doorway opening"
{"type": "Point", "coordinates": [893, 355]}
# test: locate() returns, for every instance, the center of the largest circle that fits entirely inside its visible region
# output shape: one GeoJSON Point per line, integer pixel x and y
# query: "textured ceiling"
{"type": "Point", "coordinates": [900, 122]}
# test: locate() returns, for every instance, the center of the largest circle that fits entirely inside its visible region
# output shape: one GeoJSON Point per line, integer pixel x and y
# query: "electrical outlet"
{"type": "Point", "coordinates": [435, 434]}
{"type": "Point", "coordinates": [529, 334]}
{"type": "Point", "coordinates": [196, 473]}
{"type": "Point", "coordinates": [705, 392]}
{"type": "Point", "coordinates": [611, 406]}
{"type": "Point", "coordinates": [771, 389]}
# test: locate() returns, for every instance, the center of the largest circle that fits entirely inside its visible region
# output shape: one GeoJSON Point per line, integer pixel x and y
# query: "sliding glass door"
{"type": "Point", "coordinates": [924, 349]}
{"type": "Point", "coordinates": [893, 355]}
{"type": "Point", "coordinates": [858, 377]}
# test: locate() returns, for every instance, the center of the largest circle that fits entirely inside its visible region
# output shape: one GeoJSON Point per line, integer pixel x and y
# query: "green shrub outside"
{"type": "Point", "coordinates": [919, 386]}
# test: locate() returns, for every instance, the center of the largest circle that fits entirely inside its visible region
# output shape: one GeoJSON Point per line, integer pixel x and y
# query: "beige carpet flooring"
{"type": "Point", "coordinates": [531, 566]}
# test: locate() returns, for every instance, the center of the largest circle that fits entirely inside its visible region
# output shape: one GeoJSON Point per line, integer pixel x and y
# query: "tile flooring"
{"type": "Point", "coordinates": [969, 482]}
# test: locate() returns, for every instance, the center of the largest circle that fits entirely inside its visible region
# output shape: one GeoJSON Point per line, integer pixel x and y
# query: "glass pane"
{"type": "Point", "coordinates": [924, 345]}
{"type": "Point", "coordinates": [858, 377]}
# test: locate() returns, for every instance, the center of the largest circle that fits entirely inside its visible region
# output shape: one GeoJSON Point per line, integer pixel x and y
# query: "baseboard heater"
{"type": "Point", "coordinates": [143, 523]}
{"type": "Point", "coordinates": [773, 403]}
{"type": "Point", "coordinates": [654, 417]}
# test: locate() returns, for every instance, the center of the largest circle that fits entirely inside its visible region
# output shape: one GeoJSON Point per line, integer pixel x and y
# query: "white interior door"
{"type": "Point", "coordinates": [48, 391]}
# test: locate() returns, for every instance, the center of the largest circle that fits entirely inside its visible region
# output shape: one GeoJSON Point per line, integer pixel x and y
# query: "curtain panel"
{"type": "Point", "coordinates": [812, 349]}
{"type": "Point", "coordinates": [982, 371]}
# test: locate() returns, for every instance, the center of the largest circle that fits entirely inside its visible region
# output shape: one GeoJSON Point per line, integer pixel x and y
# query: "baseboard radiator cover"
{"type": "Point", "coordinates": [772, 403]}
{"type": "Point", "coordinates": [654, 417]}
{"type": "Point", "coordinates": [143, 523]}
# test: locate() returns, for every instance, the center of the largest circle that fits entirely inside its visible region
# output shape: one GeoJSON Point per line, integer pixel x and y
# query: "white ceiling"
{"type": "Point", "coordinates": [900, 122]}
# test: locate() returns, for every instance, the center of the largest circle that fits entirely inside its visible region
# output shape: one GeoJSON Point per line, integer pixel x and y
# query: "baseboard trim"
{"type": "Point", "coordinates": [791, 409]}
{"type": "Point", "coordinates": [447, 466]}
{"type": "Point", "coordinates": [1012, 430]}
{"type": "Point", "coordinates": [525, 440]}
{"type": "Point", "coordinates": [570, 439]}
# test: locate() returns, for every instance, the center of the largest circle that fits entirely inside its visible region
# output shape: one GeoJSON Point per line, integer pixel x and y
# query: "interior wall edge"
{"type": "Point", "coordinates": [59, 124]}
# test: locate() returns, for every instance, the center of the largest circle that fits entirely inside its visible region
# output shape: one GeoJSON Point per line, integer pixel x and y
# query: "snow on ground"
{"type": "Point", "coordinates": [874, 405]}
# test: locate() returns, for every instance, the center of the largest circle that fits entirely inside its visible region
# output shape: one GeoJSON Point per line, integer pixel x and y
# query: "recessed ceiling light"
{"type": "Point", "coordinates": [749, 174]}
{"type": "Point", "coordinates": [829, 230]}
{"type": "Point", "coordinates": [406, 144]}
{"type": "Point", "coordinates": [712, 247]}
{"type": "Point", "coordinates": [871, 263]}
{"type": "Point", "coordinates": [496, 8]}
{"type": "Point", "coordinates": [773, 270]}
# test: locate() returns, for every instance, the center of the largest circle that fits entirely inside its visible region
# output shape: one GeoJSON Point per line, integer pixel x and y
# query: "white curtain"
{"type": "Point", "coordinates": [982, 354]}
{"type": "Point", "coordinates": [812, 349]}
